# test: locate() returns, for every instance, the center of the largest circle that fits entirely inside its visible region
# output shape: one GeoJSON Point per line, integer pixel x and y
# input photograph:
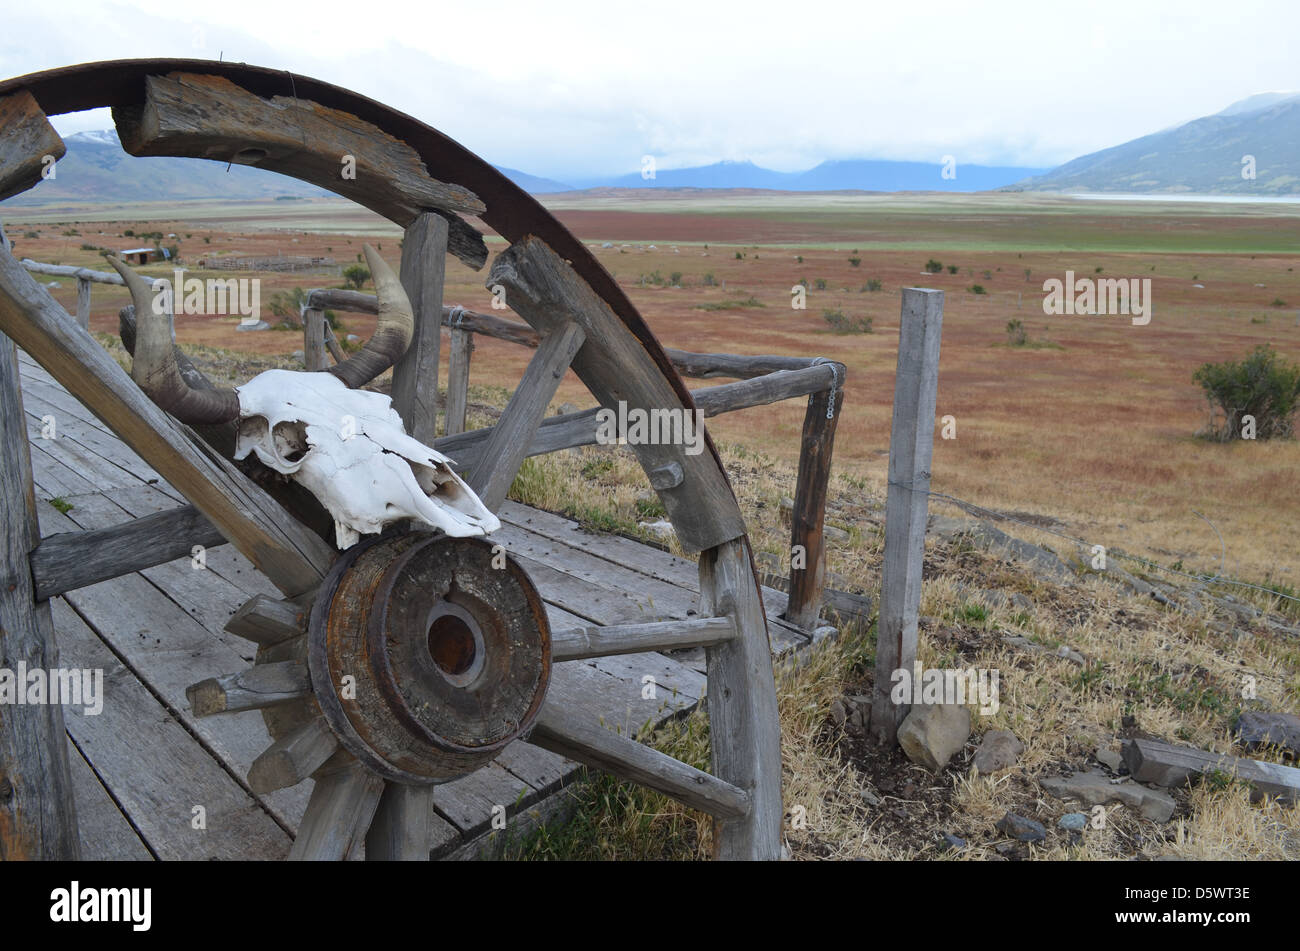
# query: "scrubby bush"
{"type": "Point", "coordinates": [933, 266]}
{"type": "Point", "coordinates": [356, 276]}
{"type": "Point", "coordinates": [1263, 385]}
{"type": "Point", "coordinates": [1017, 335]}
{"type": "Point", "coordinates": [846, 325]}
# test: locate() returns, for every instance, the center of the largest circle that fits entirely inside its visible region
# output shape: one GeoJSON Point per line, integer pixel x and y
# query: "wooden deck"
{"type": "Point", "coordinates": [147, 770]}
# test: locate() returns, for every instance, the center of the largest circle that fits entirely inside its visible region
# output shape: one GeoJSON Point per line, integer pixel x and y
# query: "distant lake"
{"type": "Point", "coordinates": [1208, 199]}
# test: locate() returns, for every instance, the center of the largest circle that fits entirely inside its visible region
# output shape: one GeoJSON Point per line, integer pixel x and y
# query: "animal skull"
{"type": "Point", "coordinates": [349, 449]}
{"type": "Point", "coordinates": [345, 445]}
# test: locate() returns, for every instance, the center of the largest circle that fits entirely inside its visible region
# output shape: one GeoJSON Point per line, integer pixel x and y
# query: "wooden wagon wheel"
{"type": "Point", "coordinates": [412, 658]}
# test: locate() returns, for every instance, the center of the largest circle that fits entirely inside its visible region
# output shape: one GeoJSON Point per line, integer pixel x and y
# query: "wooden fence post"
{"type": "Point", "coordinates": [807, 540]}
{"type": "Point", "coordinates": [462, 345]}
{"type": "Point", "coordinates": [38, 818]}
{"type": "Point", "coordinates": [83, 303]}
{"type": "Point", "coordinates": [415, 377]}
{"type": "Point", "coordinates": [907, 502]}
{"type": "Point", "coordinates": [313, 339]}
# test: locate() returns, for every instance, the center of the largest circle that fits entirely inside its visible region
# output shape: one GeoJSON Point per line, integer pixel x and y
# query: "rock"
{"type": "Point", "coordinates": [932, 733]}
{"type": "Point", "coordinates": [998, 750]}
{"type": "Point", "coordinates": [952, 843]}
{"type": "Point", "coordinates": [1073, 656]}
{"type": "Point", "coordinates": [870, 798]}
{"type": "Point", "coordinates": [569, 408]}
{"type": "Point", "coordinates": [353, 338]}
{"type": "Point", "coordinates": [662, 528]}
{"type": "Point", "coordinates": [1257, 729]}
{"type": "Point", "coordinates": [1018, 827]}
{"type": "Point", "coordinates": [607, 245]}
{"type": "Point", "coordinates": [839, 712]}
{"type": "Point", "coordinates": [256, 325]}
{"type": "Point", "coordinates": [298, 355]}
{"type": "Point", "coordinates": [1095, 788]}
{"type": "Point", "coordinates": [1110, 759]}
{"type": "Point", "coordinates": [1073, 822]}
{"type": "Point", "coordinates": [833, 534]}
{"type": "Point", "coordinates": [53, 284]}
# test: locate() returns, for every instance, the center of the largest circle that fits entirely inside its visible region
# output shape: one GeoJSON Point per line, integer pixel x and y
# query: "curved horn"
{"type": "Point", "coordinates": [154, 368]}
{"type": "Point", "coordinates": [393, 334]}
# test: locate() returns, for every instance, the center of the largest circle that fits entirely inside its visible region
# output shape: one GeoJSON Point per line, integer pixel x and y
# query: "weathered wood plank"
{"type": "Point", "coordinates": [506, 447]}
{"type": "Point", "coordinates": [462, 348]}
{"type": "Point", "coordinates": [28, 146]}
{"type": "Point", "coordinates": [106, 834]}
{"type": "Point", "coordinates": [405, 828]}
{"type": "Point", "coordinates": [911, 441]}
{"type": "Point", "coordinates": [1151, 761]}
{"type": "Point", "coordinates": [83, 304]}
{"type": "Point", "coordinates": [155, 769]}
{"type": "Point", "coordinates": [290, 554]}
{"type": "Point", "coordinates": [415, 376]}
{"type": "Point", "coordinates": [744, 723]}
{"type": "Point", "coordinates": [809, 515]}
{"type": "Point", "coordinates": [72, 560]}
{"type": "Point", "coordinates": [616, 368]}
{"type": "Point", "coordinates": [338, 815]}
{"type": "Point", "coordinates": [313, 339]}
{"type": "Point", "coordinates": [471, 802]}
{"type": "Point", "coordinates": [210, 117]}
{"type": "Point", "coordinates": [576, 643]}
{"type": "Point", "coordinates": [38, 817]}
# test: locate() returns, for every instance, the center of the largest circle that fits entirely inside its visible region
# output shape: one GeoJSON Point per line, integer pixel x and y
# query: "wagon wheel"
{"type": "Point", "coordinates": [412, 658]}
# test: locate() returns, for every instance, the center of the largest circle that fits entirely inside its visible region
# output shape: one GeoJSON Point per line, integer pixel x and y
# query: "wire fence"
{"type": "Point", "coordinates": [975, 508]}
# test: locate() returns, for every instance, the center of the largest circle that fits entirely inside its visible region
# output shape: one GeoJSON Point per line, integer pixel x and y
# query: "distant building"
{"type": "Point", "coordinates": [144, 255]}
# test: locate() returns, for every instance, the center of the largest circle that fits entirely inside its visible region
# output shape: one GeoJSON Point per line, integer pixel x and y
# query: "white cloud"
{"type": "Point", "coordinates": [587, 87]}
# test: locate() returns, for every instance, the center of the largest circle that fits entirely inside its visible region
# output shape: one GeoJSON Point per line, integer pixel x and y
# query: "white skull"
{"type": "Point", "coordinates": [350, 450]}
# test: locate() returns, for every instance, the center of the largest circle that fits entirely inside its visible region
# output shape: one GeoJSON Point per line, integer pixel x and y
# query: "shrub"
{"type": "Point", "coordinates": [30, 234]}
{"type": "Point", "coordinates": [952, 269]}
{"type": "Point", "coordinates": [708, 280]}
{"type": "Point", "coordinates": [1017, 336]}
{"type": "Point", "coordinates": [988, 275]}
{"type": "Point", "coordinates": [1263, 385]}
{"type": "Point", "coordinates": [675, 278]}
{"type": "Point", "coordinates": [89, 247]}
{"type": "Point", "coordinates": [855, 261]}
{"type": "Point", "coordinates": [977, 289]}
{"type": "Point", "coordinates": [872, 285]}
{"type": "Point", "coordinates": [288, 303]}
{"type": "Point", "coordinates": [1278, 302]}
{"type": "Point", "coordinates": [821, 283]}
{"type": "Point", "coordinates": [739, 255]}
{"type": "Point", "coordinates": [356, 276]}
{"type": "Point", "coordinates": [933, 266]}
{"type": "Point", "coordinates": [847, 325]}
{"type": "Point", "coordinates": [799, 258]}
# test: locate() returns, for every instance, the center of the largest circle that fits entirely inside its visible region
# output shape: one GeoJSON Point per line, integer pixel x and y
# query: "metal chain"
{"type": "Point", "coordinates": [835, 382]}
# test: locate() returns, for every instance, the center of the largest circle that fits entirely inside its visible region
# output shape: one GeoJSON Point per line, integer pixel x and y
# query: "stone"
{"type": "Point", "coordinates": [932, 733]}
{"type": "Point", "coordinates": [998, 750]}
{"type": "Point", "coordinates": [1257, 729]}
{"type": "Point", "coordinates": [952, 843]}
{"type": "Point", "coordinates": [1073, 656]}
{"type": "Point", "coordinates": [870, 798]}
{"type": "Point", "coordinates": [839, 712]}
{"type": "Point", "coordinates": [257, 325]}
{"type": "Point", "coordinates": [1110, 759]}
{"type": "Point", "coordinates": [661, 528]}
{"type": "Point", "coordinates": [1018, 827]}
{"type": "Point", "coordinates": [833, 534]}
{"type": "Point", "coordinates": [1073, 822]}
{"type": "Point", "coordinates": [1095, 788]}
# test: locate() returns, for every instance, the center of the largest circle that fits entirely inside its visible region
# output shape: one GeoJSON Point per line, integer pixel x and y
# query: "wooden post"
{"type": "Point", "coordinates": [807, 542]}
{"type": "Point", "coordinates": [38, 819]}
{"type": "Point", "coordinates": [83, 303]}
{"type": "Point", "coordinates": [313, 339]}
{"type": "Point", "coordinates": [415, 377]}
{"type": "Point", "coordinates": [462, 345]}
{"type": "Point", "coordinates": [910, 443]}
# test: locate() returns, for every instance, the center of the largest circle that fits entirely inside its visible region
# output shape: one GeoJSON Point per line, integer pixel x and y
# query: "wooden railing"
{"type": "Point", "coordinates": [759, 380]}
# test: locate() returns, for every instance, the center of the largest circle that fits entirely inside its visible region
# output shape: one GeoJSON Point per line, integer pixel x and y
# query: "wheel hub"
{"type": "Point", "coordinates": [428, 654]}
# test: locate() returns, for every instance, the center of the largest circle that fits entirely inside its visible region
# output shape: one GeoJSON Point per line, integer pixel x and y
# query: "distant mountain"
{"type": "Point", "coordinates": [852, 174]}
{"type": "Point", "coordinates": [1204, 156]}
{"type": "Point", "coordinates": [532, 183]}
{"type": "Point", "coordinates": [96, 169]}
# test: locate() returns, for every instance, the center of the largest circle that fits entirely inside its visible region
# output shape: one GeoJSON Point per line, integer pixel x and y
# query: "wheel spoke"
{"type": "Point", "coordinates": [338, 815]}
{"type": "Point", "coordinates": [592, 745]}
{"type": "Point", "coordinates": [401, 830]}
{"type": "Point", "coordinates": [293, 757]}
{"type": "Point", "coordinates": [508, 445]}
{"type": "Point", "coordinates": [577, 643]}
{"type": "Point", "coordinates": [262, 685]}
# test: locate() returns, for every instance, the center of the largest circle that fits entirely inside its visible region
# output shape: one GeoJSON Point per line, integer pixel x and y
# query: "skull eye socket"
{"type": "Point", "coordinates": [290, 438]}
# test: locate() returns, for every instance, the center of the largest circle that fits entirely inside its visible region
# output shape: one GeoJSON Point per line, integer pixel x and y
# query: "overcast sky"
{"type": "Point", "coordinates": [566, 88]}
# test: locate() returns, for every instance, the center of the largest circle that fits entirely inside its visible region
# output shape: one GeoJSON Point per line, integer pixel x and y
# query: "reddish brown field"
{"type": "Point", "coordinates": [1094, 425]}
